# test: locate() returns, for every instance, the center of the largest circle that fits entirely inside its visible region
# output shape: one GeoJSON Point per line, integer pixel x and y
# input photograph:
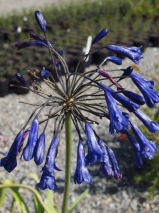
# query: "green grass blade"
{"type": "Point", "coordinates": [22, 207]}
{"type": "Point", "coordinates": [2, 196]}
{"type": "Point", "coordinates": [78, 200]}
{"type": "Point", "coordinates": [50, 201]}
{"type": "Point", "coordinates": [37, 205]}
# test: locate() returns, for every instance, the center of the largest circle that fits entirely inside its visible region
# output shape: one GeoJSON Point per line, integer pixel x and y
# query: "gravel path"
{"type": "Point", "coordinates": [106, 195]}
{"type": "Point", "coordinates": [7, 7]}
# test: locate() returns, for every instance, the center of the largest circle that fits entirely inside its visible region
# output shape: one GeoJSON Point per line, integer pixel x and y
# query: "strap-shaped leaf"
{"type": "Point", "coordinates": [2, 196]}
{"type": "Point", "coordinates": [37, 205]}
{"type": "Point", "coordinates": [83, 195]}
{"type": "Point", "coordinates": [50, 201]}
{"type": "Point", "coordinates": [22, 207]}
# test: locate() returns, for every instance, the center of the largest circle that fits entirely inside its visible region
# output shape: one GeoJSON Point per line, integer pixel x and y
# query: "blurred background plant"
{"type": "Point", "coordinates": [90, 17]}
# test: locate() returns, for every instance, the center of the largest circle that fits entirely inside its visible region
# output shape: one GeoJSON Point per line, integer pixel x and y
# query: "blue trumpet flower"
{"type": "Point", "coordinates": [94, 150]}
{"type": "Point", "coordinates": [117, 120]}
{"type": "Point", "coordinates": [116, 171]}
{"type": "Point", "coordinates": [25, 44]}
{"type": "Point", "coordinates": [32, 139]}
{"type": "Point", "coordinates": [39, 150]}
{"type": "Point", "coordinates": [146, 88]}
{"type": "Point", "coordinates": [81, 172]}
{"type": "Point", "coordinates": [100, 35]}
{"type": "Point", "coordinates": [137, 150]}
{"type": "Point", "coordinates": [106, 166]}
{"type": "Point", "coordinates": [10, 162]}
{"type": "Point", "coordinates": [48, 180]}
{"type": "Point", "coordinates": [127, 103]}
{"type": "Point", "coordinates": [40, 20]}
{"type": "Point", "coordinates": [138, 99]}
{"type": "Point", "coordinates": [21, 79]}
{"type": "Point", "coordinates": [150, 125]}
{"type": "Point", "coordinates": [133, 53]}
{"type": "Point", "coordinates": [44, 73]}
{"type": "Point", "coordinates": [148, 148]}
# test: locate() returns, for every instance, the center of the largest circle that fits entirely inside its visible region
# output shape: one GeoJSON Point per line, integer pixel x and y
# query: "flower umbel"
{"type": "Point", "coordinates": [84, 98]}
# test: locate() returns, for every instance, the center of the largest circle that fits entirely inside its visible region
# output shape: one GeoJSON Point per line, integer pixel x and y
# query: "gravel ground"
{"type": "Point", "coordinates": [106, 195]}
{"type": "Point", "coordinates": [12, 6]}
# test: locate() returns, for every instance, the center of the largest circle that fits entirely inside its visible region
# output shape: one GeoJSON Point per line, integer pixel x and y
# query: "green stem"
{"type": "Point", "coordinates": [68, 135]}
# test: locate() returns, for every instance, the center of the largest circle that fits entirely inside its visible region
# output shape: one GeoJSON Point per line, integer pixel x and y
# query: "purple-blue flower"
{"type": "Point", "coordinates": [127, 103]}
{"type": "Point", "coordinates": [117, 120]}
{"type": "Point", "coordinates": [40, 20]}
{"type": "Point", "coordinates": [100, 35]}
{"type": "Point", "coordinates": [32, 139]}
{"type": "Point", "coordinates": [150, 125]}
{"type": "Point", "coordinates": [39, 150]}
{"type": "Point", "coordinates": [115, 60]}
{"type": "Point", "coordinates": [21, 79]}
{"type": "Point", "coordinates": [133, 53]}
{"type": "Point", "coordinates": [81, 172]}
{"type": "Point", "coordinates": [146, 88]}
{"type": "Point", "coordinates": [138, 99]}
{"type": "Point", "coordinates": [10, 162]}
{"type": "Point", "coordinates": [40, 38]}
{"type": "Point", "coordinates": [106, 166]}
{"type": "Point", "coordinates": [116, 171]}
{"type": "Point", "coordinates": [94, 150]}
{"type": "Point", "coordinates": [25, 44]}
{"type": "Point", "coordinates": [48, 180]}
{"type": "Point", "coordinates": [44, 73]}
{"type": "Point", "coordinates": [148, 148]}
{"type": "Point", "coordinates": [137, 150]}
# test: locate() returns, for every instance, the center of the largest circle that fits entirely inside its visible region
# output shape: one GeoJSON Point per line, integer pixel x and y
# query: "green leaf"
{"type": "Point", "coordinates": [83, 195]}
{"type": "Point", "coordinates": [22, 207]}
{"type": "Point", "coordinates": [2, 195]}
{"type": "Point", "coordinates": [34, 176]}
{"type": "Point", "coordinates": [50, 201]}
{"type": "Point", "coordinates": [37, 205]}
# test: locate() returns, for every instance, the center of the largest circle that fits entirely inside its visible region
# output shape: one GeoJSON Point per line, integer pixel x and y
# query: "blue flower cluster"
{"type": "Point", "coordinates": [72, 95]}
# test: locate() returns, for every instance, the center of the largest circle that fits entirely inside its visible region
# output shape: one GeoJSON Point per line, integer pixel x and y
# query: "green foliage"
{"type": "Point", "coordinates": [39, 206]}
{"type": "Point", "coordinates": [150, 173]}
{"type": "Point", "coordinates": [18, 201]}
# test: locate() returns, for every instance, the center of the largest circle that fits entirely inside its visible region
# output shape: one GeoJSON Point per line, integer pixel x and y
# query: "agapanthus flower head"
{"type": "Point", "coordinates": [79, 97]}
{"type": "Point", "coordinates": [133, 53]}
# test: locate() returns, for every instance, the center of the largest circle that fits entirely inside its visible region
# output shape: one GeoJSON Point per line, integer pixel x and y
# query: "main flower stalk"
{"type": "Point", "coordinates": [68, 135]}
